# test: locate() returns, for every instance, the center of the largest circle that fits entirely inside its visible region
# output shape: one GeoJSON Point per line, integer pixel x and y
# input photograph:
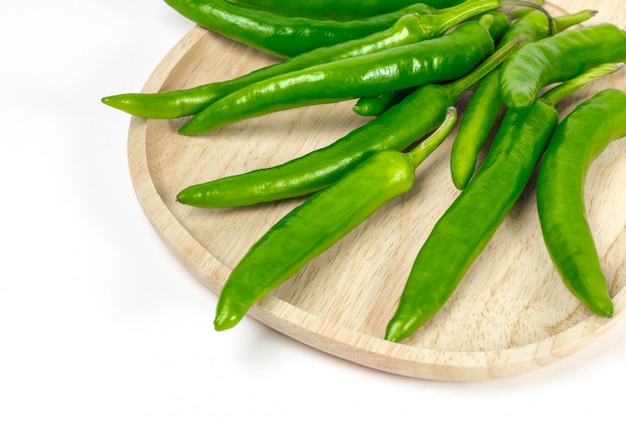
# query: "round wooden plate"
{"type": "Point", "coordinates": [510, 314]}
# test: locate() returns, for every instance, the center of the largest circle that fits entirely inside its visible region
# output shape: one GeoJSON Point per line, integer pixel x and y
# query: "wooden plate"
{"type": "Point", "coordinates": [510, 314]}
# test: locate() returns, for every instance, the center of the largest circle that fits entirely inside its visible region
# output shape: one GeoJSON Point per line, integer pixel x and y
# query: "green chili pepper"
{"type": "Point", "coordinates": [408, 29]}
{"type": "Point", "coordinates": [439, 59]}
{"type": "Point", "coordinates": [485, 106]}
{"type": "Point", "coordinates": [376, 105]}
{"type": "Point", "coordinates": [576, 143]}
{"type": "Point", "coordinates": [341, 9]}
{"type": "Point", "coordinates": [466, 227]}
{"type": "Point", "coordinates": [278, 34]}
{"type": "Point", "coordinates": [396, 129]}
{"type": "Point", "coordinates": [318, 223]}
{"type": "Point", "coordinates": [558, 58]}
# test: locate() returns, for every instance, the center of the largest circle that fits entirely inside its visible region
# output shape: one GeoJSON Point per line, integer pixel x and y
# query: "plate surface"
{"type": "Point", "coordinates": [510, 314]}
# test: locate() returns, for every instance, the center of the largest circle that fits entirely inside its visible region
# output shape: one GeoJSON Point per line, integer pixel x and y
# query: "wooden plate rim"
{"type": "Point", "coordinates": [376, 353]}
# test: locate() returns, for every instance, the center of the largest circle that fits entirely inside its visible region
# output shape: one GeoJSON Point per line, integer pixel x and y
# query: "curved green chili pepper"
{"type": "Point", "coordinates": [341, 9]}
{"type": "Point", "coordinates": [485, 106]}
{"type": "Point", "coordinates": [278, 34]}
{"type": "Point", "coordinates": [439, 59]}
{"type": "Point", "coordinates": [396, 129]}
{"type": "Point", "coordinates": [376, 105]}
{"type": "Point", "coordinates": [558, 58]}
{"type": "Point", "coordinates": [576, 143]}
{"type": "Point", "coordinates": [410, 28]}
{"type": "Point", "coordinates": [318, 223]}
{"type": "Point", "coordinates": [466, 227]}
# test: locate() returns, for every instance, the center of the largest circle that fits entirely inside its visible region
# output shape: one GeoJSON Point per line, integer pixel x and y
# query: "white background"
{"type": "Point", "coordinates": [104, 333]}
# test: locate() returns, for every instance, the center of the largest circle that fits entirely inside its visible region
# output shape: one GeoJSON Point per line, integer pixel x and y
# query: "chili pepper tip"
{"type": "Point", "coordinates": [604, 309]}
{"type": "Point", "coordinates": [225, 321]}
{"type": "Point", "coordinates": [108, 100]}
{"type": "Point", "coordinates": [396, 331]}
{"type": "Point", "coordinates": [117, 101]}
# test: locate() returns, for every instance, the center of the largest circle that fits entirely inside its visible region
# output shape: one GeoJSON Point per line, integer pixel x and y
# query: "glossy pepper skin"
{"type": "Point", "coordinates": [558, 58]}
{"type": "Point", "coordinates": [580, 138]}
{"type": "Point", "coordinates": [278, 34]}
{"type": "Point", "coordinates": [409, 29]}
{"type": "Point", "coordinates": [396, 129]}
{"type": "Point", "coordinates": [485, 106]}
{"type": "Point", "coordinates": [439, 59]}
{"type": "Point", "coordinates": [318, 223]}
{"type": "Point", "coordinates": [466, 227]}
{"type": "Point", "coordinates": [376, 105]}
{"type": "Point", "coordinates": [341, 9]}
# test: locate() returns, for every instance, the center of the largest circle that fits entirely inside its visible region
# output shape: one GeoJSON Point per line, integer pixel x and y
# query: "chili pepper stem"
{"type": "Point", "coordinates": [558, 93]}
{"type": "Point", "coordinates": [564, 22]}
{"type": "Point", "coordinates": [519, 13]}
{"type": "Point", "coordinates": [462, 84]}
{"type": "Point", "coordinates": [448, 17]}
{"type": "Point", "coordinates": [539, 7]}
{"type": "Point", "coordinates": [418, 154]}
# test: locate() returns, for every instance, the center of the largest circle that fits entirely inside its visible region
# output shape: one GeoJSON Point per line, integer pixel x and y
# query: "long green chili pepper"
{"type": "Point", "coordinates": [485, 106]}
{"type": "Point", "coordinates": [410, 28]}
{"type": "Point", "coordinates": [439, 59]}
{"type": "Point", "coordinates": [577, 142]}
{"type": "Point", "coordinates": [341, 9]}
{"type": "Point", "coordinates": [558, 58]}
{"type": "Point", "coordinates": [466, 227]}
{"type": "Point", "coordinates": [396, 129]}
{"type": "Point", "coordinates": [318, 223]}
{"type": "Point", "coordinates": [278, 34]}
{"type": "Point", "coordinates": [376, 105]}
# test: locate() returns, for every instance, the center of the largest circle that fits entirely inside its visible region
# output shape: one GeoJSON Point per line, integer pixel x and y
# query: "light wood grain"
{"type": "Point", "coordinates": [510, 314]}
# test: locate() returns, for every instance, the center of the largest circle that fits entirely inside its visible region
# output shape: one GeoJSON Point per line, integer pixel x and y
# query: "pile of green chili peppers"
{"type": "Point", "coordinates": [407, 65]}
